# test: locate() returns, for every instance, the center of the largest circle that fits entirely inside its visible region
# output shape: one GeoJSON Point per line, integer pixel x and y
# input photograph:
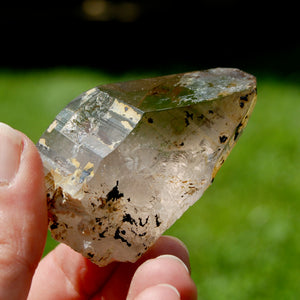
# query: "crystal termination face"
{"type": "Point", "coordinates": [124, 161]}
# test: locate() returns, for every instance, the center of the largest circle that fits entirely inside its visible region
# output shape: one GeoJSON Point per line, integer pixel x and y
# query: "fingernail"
{"type": "Point", "coordinates": [175, 258]}
{"type": "Point", "coordinates": [10, 152]}
{"type": "Point", "coordinates": [170, 287]}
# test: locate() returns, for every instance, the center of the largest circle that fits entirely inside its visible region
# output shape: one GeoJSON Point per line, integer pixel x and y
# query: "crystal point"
{"type": "Point", "coordinates": [123, 161]}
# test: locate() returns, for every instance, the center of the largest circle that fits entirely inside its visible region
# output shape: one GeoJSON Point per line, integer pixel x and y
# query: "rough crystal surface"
{"type": "Point", "coordinates": [123, 161]}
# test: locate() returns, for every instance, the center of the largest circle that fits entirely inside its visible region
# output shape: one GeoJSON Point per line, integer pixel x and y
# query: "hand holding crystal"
{"type": "Point", "coordinates": [162, 273]}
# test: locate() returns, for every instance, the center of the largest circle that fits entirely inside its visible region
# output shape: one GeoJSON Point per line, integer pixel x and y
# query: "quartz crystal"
{"type": "Point", "coordinates": [124, 161]}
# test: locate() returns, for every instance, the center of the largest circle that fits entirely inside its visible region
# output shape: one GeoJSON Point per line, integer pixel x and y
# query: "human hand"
{"type": "Point", "coordinates": [162, 273]}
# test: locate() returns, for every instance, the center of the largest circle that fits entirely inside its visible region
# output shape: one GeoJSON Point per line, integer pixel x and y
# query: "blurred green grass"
{"type": "Point", "coordinates": [244, 233]}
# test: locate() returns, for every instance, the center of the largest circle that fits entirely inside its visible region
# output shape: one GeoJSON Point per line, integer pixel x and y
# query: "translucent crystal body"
{"type": "Point", "coordinates": [123, 161]}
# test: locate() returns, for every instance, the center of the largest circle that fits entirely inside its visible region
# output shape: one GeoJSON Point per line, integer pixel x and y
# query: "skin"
{"type": "Point", "coordinates": [162, 273]}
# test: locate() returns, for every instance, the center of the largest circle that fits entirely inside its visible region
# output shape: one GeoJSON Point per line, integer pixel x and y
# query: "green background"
{"type": "Point", "coordinates": [244, 233]}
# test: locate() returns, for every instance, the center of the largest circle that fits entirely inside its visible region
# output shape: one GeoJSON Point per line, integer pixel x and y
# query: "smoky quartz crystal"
{"type": "Point", "coordinates": [124, 161]}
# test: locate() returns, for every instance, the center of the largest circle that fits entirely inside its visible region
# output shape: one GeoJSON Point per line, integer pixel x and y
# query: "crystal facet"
{"type": "Point", "coordinates": [123, 161]}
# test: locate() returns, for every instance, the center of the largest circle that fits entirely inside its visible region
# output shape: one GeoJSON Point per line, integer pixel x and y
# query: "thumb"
{"type": "Point", "coordinates": [23, 213]}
